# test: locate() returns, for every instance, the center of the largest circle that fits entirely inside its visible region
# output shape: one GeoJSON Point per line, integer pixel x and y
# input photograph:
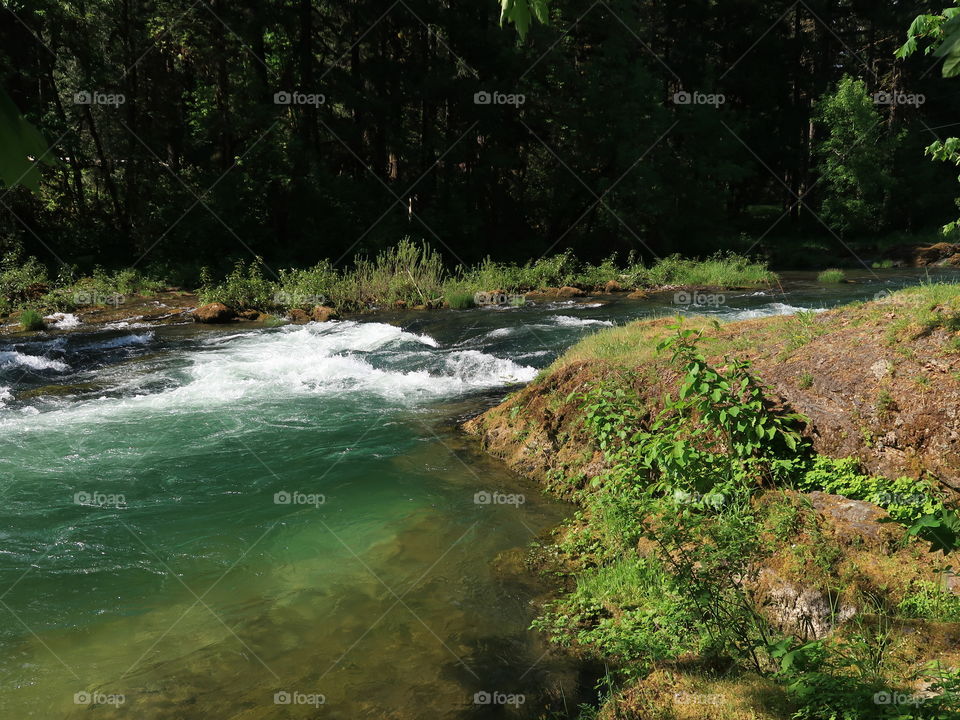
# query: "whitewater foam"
{"type": "Point", "coordinates": [64, 321]}
{"type": "Point", "coordinates": [12, 358]}
{"type": "Point", "coordinates": [568, 321]}
{"type": "Point", "coordinates": [117, 342]}
{"type": "Point", "coordinates": [771, 310]}
{"type": "Point", "coordinates": [309, 360]}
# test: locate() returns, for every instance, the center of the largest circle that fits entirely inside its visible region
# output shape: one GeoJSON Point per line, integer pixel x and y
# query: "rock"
{"type": "Point", "coordinates": [638, 295]}
{"type": "Point", "coordinates": [953, 260]}
{"type": "Point", "coordinates": [808, 613]}
{"type": "Point", "coordinates": [251, 315]}
{"type": "Point", "coordinates": [933, 254]}
{"type": "Point", "coordinates": [612, 286]}
{"type": "Point", "coordinates": [298, 316]}
{"type": "Point", "coordinates": [323, 313]}
{"type": "Point", "coordinates": [855, 521]}
{"type": "Point", "coordinates": [214, 313]}
{"type": "Point", "coordinates": [568, 292]}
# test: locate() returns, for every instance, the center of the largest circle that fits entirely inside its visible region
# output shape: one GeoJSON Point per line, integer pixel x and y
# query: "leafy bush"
{"type": "Point", "coordinates": [19, 277]}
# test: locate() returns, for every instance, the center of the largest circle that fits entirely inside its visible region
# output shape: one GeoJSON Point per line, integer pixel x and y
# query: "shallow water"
{"type": "Point", "coordinates": [208, 523]}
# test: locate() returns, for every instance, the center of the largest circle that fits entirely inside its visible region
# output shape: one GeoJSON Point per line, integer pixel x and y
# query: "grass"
{"type": "Point", "coordinates": [32, 320]}
{"type": "Point", "coordinates": [460, 300]}
{"type": "Point", "coordinates": [413, 275]}
{"type": "Point", "coordinates": [832, 277]}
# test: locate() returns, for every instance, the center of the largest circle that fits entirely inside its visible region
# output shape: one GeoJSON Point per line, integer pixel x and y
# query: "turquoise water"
{"type": "Point", "coordinates": [239, 523]}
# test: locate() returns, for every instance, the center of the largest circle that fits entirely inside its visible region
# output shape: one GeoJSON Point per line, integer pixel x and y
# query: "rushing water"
{"type": "Point", "coordinates": [209, 522]}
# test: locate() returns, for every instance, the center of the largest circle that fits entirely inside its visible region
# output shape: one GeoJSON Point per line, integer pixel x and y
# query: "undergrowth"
{"type": "Point", "coordinates": [669, 534]}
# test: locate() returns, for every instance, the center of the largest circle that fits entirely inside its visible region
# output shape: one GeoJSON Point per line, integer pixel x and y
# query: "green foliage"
{"type": "Point", "coordinates": [669, 531]}
{"type": "Point", "coordinates": [832, 277]}
{"type": "Point", "coordinates": [414, 274]}
{"type": "Point", "coordinates": [943, 32]}
{"type": "Point", "coordinates": [853, 155]}
{"type": "Point", "coordinates": [32, 320]}
{"type": "Point", "coordinates": [244, 287]}
{"type": "Point", "coordinates": [21, 280]}
{"type": "Point", "coordinates": [947, 151]}
{"type": "Point", "coordinates": [721, 270]}
{"type": "Point", "coordinates": [460, 300]}
{"type": "Point", "coordinates": [521, 12]}
{"type": "Point", "coordinates": [930, 601]}
{"type": "Point", "coordinates": [906, 499]}
{"type": "Point", "coordinates": [735, 444]}
{"type": "Point", "coordinates": [22, 148]}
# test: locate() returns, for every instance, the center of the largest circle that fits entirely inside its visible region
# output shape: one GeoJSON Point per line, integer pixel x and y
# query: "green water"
{"type": "Point", "coordinates": [146, 553]}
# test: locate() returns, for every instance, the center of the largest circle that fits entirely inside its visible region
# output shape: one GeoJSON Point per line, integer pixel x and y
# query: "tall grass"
{"type": "Point", "coordinates": [412, 274]}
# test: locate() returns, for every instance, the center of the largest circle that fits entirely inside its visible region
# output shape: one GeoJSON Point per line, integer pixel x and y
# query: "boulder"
{"type": "Point", "coordinates": [638, 295]}
{"type": "Point", "coordinates": [323, 313]}
{"type": "Point", "coordinates": [612, 286]}
{"type": "Point", "coordinates": [568, 292]}
{"type": "Point", "coordinates": [933, 254]}
{"type": "Point", "coordinates": [214, 313]}
{"type": "Point", "coordinates": [298, 316]}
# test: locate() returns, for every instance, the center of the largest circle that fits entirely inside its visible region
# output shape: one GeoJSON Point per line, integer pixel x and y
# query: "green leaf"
{"type": "Point", "coordinates": [22, 148]}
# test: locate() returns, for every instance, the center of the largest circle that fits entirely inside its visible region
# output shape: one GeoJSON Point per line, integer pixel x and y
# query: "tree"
{"type": "Point", "coordinates": [854, 157]}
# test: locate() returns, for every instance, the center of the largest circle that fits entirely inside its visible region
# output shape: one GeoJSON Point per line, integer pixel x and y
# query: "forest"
{"type": "Point", "coordinates": [186, 134]}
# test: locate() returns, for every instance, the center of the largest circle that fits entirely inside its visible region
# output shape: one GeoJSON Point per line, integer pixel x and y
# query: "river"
{"type": "Point", "coordinates": [268, 523]}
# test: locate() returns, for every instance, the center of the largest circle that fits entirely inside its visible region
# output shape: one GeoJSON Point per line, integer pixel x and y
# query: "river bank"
{"type": "Point", "coordinates": [818, 581]}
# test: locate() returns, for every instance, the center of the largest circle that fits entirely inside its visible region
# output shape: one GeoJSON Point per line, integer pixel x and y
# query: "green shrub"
{"type": "Point", "coordinates": [18, 275]}
{"type": "Point", "coordinates": [32, 320]}
{"type": "Point", "coordinates": [832, 277]}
